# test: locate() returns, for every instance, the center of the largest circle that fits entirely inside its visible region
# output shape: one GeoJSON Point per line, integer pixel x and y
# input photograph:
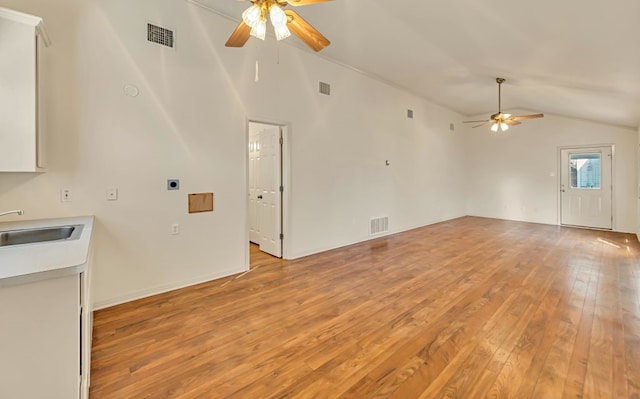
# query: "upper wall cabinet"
{"type": "Point", "coordinates": [21, 38]}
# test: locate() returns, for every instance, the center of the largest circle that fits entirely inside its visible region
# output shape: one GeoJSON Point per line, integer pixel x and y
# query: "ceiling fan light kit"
{"type": "Point", "coordinates": [500, 122]}
{"type": "Point", "coordinates": [256, 18]}
{"type": "Point", "coordinates": [285, 22]}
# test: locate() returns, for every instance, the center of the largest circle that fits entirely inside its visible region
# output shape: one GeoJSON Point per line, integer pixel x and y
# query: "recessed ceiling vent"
{"type": "Point", "coordinates": [159, 35]}
{"type": "Point", "coordinates": [410, 113]}
{"type": "Point", "coordinates": [325, 88]}
{"type": "Point", "coordinates": [378, 225]}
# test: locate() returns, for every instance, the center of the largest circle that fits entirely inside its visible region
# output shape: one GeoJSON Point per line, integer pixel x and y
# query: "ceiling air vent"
{"type": "Point", "coordinates": [410, 113]}
{"type": "Point", "coordinates": [325, 88]}
{"type": "Point", "coordinates": [159, 35]}
{"type": "Point", "coordinates": [378, 225]}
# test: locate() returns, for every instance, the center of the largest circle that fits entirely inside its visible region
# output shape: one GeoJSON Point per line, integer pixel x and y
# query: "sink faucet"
{"type": "Point", "coordinates": [18, 211]}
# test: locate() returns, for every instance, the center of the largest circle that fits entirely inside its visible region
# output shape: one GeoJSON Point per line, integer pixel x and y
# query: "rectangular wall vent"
{"type": "Point", "coordinates": [162, 36]}
{"type": "Point", "coordinates": [378, 225]}
{"type": "Point", "coordinates": [452, 127]}
{"type": "Point", "coordinates": [325, 88]}
{"type": "Point", "coordinates": [410, 113]}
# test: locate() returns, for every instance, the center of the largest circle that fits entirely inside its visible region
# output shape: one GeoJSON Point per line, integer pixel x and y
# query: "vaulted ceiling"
{"type": "Point", "coordinates": [572, 57]}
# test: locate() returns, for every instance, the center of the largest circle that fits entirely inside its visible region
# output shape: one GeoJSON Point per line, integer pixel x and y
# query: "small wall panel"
{"type": "Point", "coordinates": [201, 202]}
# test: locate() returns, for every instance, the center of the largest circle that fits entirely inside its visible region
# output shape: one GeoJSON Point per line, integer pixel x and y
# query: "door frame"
{"type": "Point", "coordinates": [613, 180]}
{"type": "Point", "coordinates": [286, 182]}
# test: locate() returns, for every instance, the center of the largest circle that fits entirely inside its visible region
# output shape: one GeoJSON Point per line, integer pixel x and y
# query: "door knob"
{"type": "Point", "coordinates": [259, 196]}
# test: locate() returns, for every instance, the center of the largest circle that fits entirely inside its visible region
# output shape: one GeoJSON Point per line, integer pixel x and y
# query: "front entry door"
{"type": "Point", "coordinates": [586, 187]}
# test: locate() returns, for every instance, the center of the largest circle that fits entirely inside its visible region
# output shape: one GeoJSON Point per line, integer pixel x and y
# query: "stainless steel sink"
{"type": "Point", "coordinates": [38, 235]}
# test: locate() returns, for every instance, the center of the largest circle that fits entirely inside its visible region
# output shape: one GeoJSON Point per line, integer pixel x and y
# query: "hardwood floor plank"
{"type": "Point", "coordinates": [576, 374]}
{"type": "Point", "coordinates": [599, 381]}
{"type": "Point", "coordinates": [629, 277]}
{"type": "Point", "coordinates": [468, 308]}
{"type": "Point", "coordinates": [556, 365]}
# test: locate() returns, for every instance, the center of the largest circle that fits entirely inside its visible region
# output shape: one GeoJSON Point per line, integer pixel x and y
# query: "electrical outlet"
{"type": "Point", "coordinates": [112, 194]}
{"type": "Point", "coordinates": [65, 195]}
{"type": "Point", "coordinates": [175, 229]}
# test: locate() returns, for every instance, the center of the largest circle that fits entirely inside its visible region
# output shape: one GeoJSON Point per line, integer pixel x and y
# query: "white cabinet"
{"type": "Point", "coordinates": [45, 314]}
{"type": "Point", "coordinates": [40, 345]}
{"type": "Point", "coordinates": [22, 37]}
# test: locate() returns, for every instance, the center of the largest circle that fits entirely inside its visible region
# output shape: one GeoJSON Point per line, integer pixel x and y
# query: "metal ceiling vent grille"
{"type": "Point", "coordinates": [325, 88]}
{"type": "Point", "coordinates": [378, 225]}
{"type": "Point", "coordinates": [162, 36]}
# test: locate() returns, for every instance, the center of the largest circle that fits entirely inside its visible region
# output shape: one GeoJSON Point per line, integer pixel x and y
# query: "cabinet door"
{"type": "Point", "coordinates": [40, 339]}
{"type": "Point", "coordinates": [19, 132]}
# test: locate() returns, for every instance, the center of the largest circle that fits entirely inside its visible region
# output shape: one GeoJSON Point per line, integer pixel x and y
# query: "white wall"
{"type": "Point", "coordinates": [514, 175]}
{"type": "Point", "coordinates": [637, 168]}
{"type": "Point", "coordinates": [189, 122]}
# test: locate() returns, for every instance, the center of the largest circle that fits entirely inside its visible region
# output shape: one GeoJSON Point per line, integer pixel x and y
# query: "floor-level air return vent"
{"type": "Point", "coordinates": [162, 36]}
{"type": "Point", "coordinates": [325, 88]}
{"type": "Point", "coordinates": [378, 225]}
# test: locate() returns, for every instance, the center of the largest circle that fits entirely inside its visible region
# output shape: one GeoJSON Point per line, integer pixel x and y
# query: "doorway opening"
{"type": "Point", "coordinates": [266, 172]}
{"type": "Point", "coordinates": [586, 187]}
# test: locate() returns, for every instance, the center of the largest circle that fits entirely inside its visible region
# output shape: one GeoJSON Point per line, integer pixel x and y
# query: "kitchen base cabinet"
{"type": "Point", "coordinates": [40, 339]}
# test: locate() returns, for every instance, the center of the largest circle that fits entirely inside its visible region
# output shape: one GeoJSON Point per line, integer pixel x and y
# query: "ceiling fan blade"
{"type": "Point", "coordinates": [239, 36]}
{"type": "Point", "coordinates": [476, 121]}
{"type": "Point", "coordinates": [297, 3]}
{"type": "Point", "coordinates": [482, 124]}
{"type": "Point", "coordinates": [305, 31]}
{"type": "Point", "coordinates": [511, 122]}
{"type": "Point", "coordinates": [523, 117]}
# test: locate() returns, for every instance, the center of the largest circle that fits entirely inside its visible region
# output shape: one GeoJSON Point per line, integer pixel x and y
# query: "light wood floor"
{"type": "Point", "coordinates": [468, 308]}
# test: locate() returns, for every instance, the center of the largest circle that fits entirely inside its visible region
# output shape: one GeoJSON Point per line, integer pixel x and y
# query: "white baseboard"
{"type": "Point", "coordinates": [367, 238]}
{"type": "Point", "coordinates": [164, 288]}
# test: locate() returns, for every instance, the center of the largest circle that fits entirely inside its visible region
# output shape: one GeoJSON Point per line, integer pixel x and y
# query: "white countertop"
{"type": "Point", "coordinates": [21, 264]}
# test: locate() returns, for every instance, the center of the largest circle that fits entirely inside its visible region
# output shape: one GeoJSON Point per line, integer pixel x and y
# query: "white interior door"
{"type": "Point", "coordinates": [269, 182]}
{"type": "Point", "coordinates": [254, 190]}
{"type": "Point", "coordinates": [586, 187]}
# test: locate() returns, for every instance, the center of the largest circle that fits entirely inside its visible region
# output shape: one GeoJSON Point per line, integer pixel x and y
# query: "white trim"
{"type": "Point", "coordinates": [161, 289]}
{"type": "Point", "coordinates": [20, 17]}
{"type": "Point", "coordinates": [247, 239]}
{"type": "Point", "coordinates": [42, 32]}
{"type": "Point", "coordinates": [27, 19]}
{"type": "Point", "coordinates": [377, 237]}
